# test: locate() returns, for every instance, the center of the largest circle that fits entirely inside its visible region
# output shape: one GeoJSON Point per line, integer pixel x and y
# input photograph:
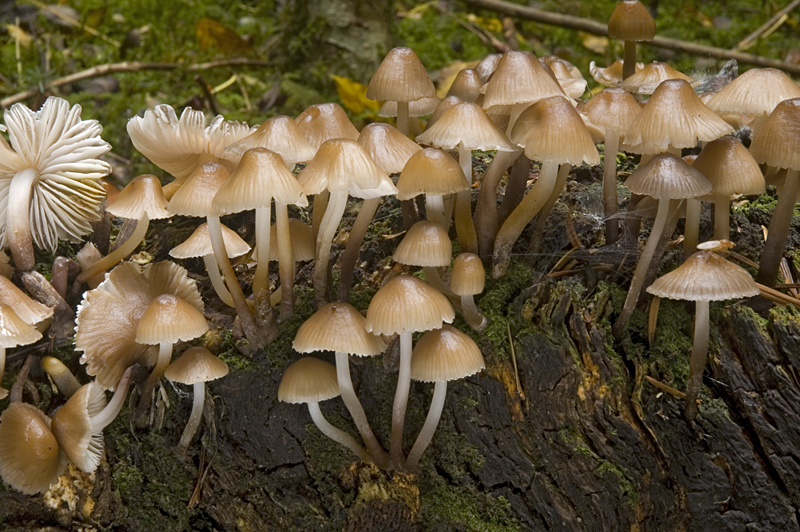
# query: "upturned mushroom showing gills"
{"type": "Point", "coordinates": [49, 178]}
{"type": "Point", "coordinates": [705, 276]}
{"type": "Point", "coordinates": [13, 332]}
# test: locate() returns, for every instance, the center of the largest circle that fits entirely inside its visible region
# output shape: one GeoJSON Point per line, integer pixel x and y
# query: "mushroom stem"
{"type": "Point", "coordinates": [59, 276]}
{"type": "Point", "coordinates": [164, 356]}
{"type": "Point", "coordinates": [333, 433]}
{"type": "Point", "coordinates": [18, 223]}
{"type": "Point", "coordinates": [263, 310]}
{"type": "Point", "coordinates": [353, 246]}
{"type": "Point", "coordinates": [629, 60]}
{"type": "Point", "coordinates": [330, 223]}
{"type": "Point", "coordinates": [544, 214]}
{"type": "Point", "coordinates": [110, 412]}
{"type": "Point", "coordinates": [216, 279]}
{"type": "Point", "coordinates": [357, 411]}
{"type": "Point", "coordinates": [285, 260]}
{"type": "Point", "coordinates": [65, 381]}
{"type": "Point", "coordinates": [431, 422]}
{"type": "Point", "coordinates": [401, 400]}
{"type": "Point", "coordinates": [515, 188]}
{"type": "Point", "coordinates": [194, 419]}
{"type": "Point", "coordinates": [465, 230]}
{"type": "Point", "coordinates": [698, 361]}
{"type": "Point", "coordinates": [722, 217]}
{"type": "Point", "coordinates": [318, 210]}
{"type": "Point", "coordinates": [436, 281]}
{"type": "Point", "coordinates": [778, 234]}
{"type": "Point", "coordinates": [3, 391]}
{"type": "Point", "coordinates": [486, 209]}
{"type": "Point", "coordinates": [641, 267]}
{"type": "Point", "coordinates": [692, 231]}
{"type": "Point", "coordinates": [118, 254]}
{"type": "Point", "coordinates": [434, 207]}
{"type": "Point", "coordinates": [472, 313]}
{"type": "Point", "coordinates": [610, 201]}
{"type": "Point", "coordinates": [402, 117]}
{"type": "Point", "coordinates": [519, 217]}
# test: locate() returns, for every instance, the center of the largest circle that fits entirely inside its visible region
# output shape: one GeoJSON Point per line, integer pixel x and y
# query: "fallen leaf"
{"type": "Point", "coordinates": [354, 95]}
{"type": "Point", "coordinates": [212, 33]}
{"type": "Point", "coordinates": [18, 34]}
{"type": "Point", "coordinates": [596, 44]}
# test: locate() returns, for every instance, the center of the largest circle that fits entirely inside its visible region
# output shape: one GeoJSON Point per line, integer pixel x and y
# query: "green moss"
{"type": "Point", "coordinates": [626, 486]}
{"type": "Point", "coordinates": [447, 507]}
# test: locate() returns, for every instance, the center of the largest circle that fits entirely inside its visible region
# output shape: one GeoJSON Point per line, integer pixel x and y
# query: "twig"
{"type": "Point", "coordinates": [206, 88]}
{"type": "Point", "coordinates": [19, 384]}
{"type": "Point", "coordinates": [768, 27]}
{"type": "Point", "coordinates": [742, 259]}
{"type": "Point", "coordinates": [599, 28]}
{"type": "Point", "coordinates": [514, 361]}
{"type": "Point", "coordinates": [667, 388]}
{"type": "Point", "coordinates": [76, 23]}
{"type": "Point", "coordinates": [778, 297]}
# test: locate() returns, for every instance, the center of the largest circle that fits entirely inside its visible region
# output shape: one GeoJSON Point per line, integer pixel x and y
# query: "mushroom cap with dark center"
{"type": "Point", "coordinates": [343, 165]}
{"type": "Point", "coordinates": [308, 380]}
{"type": "Point", "coordinates": [432, 172]}
{"type": "Point", "coordinates": [613, 109]}
{"type": "Point", "coordinates": [668, 177]}
{"type": "Point", "coordinates": [631, 21]}
{"type": "Point", "coordinates": [401, 77]}
{"type": "Point", "coordinates": [519, 78]}
{"type": "Point", "coordinates": [407, 304]}
{"type": "Point", "coordinates": [196, 364]}
{"type": "Point", "coordinates": [325, 121]}
{"type": "Point", "coordinates": [445, 354]}
{"type": "Point", "coordinates": [705, 276]}
{"type": "Point", "coordinates": [730, 168]}
{"type": "Point", "coordinates": [425, 244]}
{"type": "Point", "coordinates": [337, 327]}
{"type": "Point", "coordinates": [169, 319]}
{"type": "Point", "coordinates": [466, 85]}
{"type": "Point", "coordinates": [389, 148]}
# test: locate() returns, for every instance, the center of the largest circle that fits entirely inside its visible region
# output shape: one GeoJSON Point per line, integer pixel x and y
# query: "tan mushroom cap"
{"type": "Point", "coordinates": [756, 92]}
{"type": "Point", "coordinates": [389, 148]}
{"type": "Point", "coordinates": [196, 364]}
{"type": "Point", "coordinates": [279, 134]}
{"type": "Point", "coordinates": [30, 458]}
{"type": "Point", "coordinates": [705, 276]}
{"type": "Point", "coordinates": [195, 196]}
{"type": "Point", "coordinates": [169, 319]}
{"type": "Point", "coordinates": [442, 108]}
{"type": "Point", "coordinates": [142, 196]}
{"type": "Point", "coordinates": [552, 131]}
{"type": "Point", "coordinates": [432, 172]}
{"type": "Point", "coordinates": [668, 177]}
{"type": "Point", "coordinates": [260, 176]}
{"type": "Point", "coordinates": [199, 244]}
{"type": "Point", "coordinates": [486, 66]}
{"type": "Point", "coordinates": [325, 121]}
{"type": "Point", "coordinates": [407, 304]}
{"type": "Point", "coordinates": [647, 80]}
{"type": "Point", "coordinates": [445, 354]}
{"type": "Point", "coordinates": [612, 109]}
{"type": "Point", "coordinates": [425, 244]}
{"type": "Point", "coordinates": [730, 168]}
{"type": "Point", "coordinates": [14, 330]}
{"type": "Point", "coordinates": [777, 142]}
{"type": "Point", "coordinates": [631, 21]}
{"type": "Point", "coordinates": [421, 107]}
{"type": "Point", "coordinates": [519, 78]}
{"type": "Point", "coordinates": [303, 243]}
{"type": "Point", "coordinates": [468, 276]}
{"type": "Point", "coordinates": [308, 380]}
{"type": "Point", "coordinates": [31, 311]}
{"type": "Point", "coordinates": [5, 268]}
{"type": "Point", "coordinates": [337, 327]}
{"type": "Point", "coordinates": [72, 427]}
{"type": "Point", "coordinates": [674, 116]}
{"type": "Point", "coordinates": [610, 76]}
{"type": "Point", "coordinates": [401, 77]}
{"type": "Point", "coordinates": [466, 85]}
{"type": "Point", "coordinates": [344, 165]}
{"type": "Point", "coordinates": [465, 123]}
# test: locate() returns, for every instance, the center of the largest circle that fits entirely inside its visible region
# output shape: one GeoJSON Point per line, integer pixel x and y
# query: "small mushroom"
{"type": "Point", "coordinates": [14, 331]}
{"type": "Point", "coordinates": [466, 281]}
{"type": "Point", "coordinates": [60, 374]}
{"type": "Point", "coordinates": [631, 22]}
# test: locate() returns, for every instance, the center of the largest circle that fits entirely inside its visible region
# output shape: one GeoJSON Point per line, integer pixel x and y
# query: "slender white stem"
{"type": "Point", "coordinates": [327, 230]}
{"type": "Point", "coordinates": [164, 356]}
{"type": "Point", "coordinates": [285, 260]}
{"type": "Point", "coordinates": [516, 110]}
{"type": "Point", "coordinates": [261, 276]}
{"type": "Point", "coordinates": [486, 209]}
{"type": "Point", "coordinates": [194, 419]}
{"type": "Point", "coordinates": [402, 117]}
{"type": "Point", "coordinates": [353, 246]}
{"type": "Point", "coordinates": [125, 249]}
{"type": "Point", "coordinates": [722, 217]}
{"type": "Point", "coordinates": [431, 422]}
{"type": "Point", "coordinates": [472, 313]}
{"type": "Point", "coordinates": [779, 226]}
{"type": "Point", "coordinates": [337, 435]}
{"type": "Point", "coordinates": [434, 207]}
{"type": "Point", "coordinates": [216, 279]}
{"type": "Point", "coordinates": [698, 361]}
{"type": "Point", "coordinates": [318, 210]}
{"type": "Point", "coordinates": [109, 413]}
{"type": "Point", "coordinates": [401, 400]}
{"type": "Point", "coordinates": [610, 201]}
{"type": "Point", "coordinates": [18, 223]}
{"type": "Point", "coordinates": [3, 391]}
{"type": "Point", "coordinates": [436, 281]}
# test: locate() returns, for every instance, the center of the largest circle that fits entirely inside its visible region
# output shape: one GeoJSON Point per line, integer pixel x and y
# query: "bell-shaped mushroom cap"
{"type": "Point", "coordinates": [196, 364]}
{"type": "Point", "coordinates": [705, 276]}
{"type": "Point", "coordinates": [325, 121]}
{"type": "Point", "coordinates": [668, 177]}
{"type": "Point", "coordinates": [30, 459]}
{"type": "Point", "coordinates": [421, 107]}
{"type": "Point", "coordinates": [169, 319]}
{"type": "Point", "coordinates": [674, 116]}
{"type": "Point", "coordinates": [142, 196]}
{"type": "Point", "coordinates": [6, 270]}
{"type": "Point", "coordinates": [466, 85]}
{"type": "Point", "coordinates": [65, 151]}
{"type": "Point", "coordinates": [647, 80]}
{"type": "Point", "coordinates": [445, 354]}
{"type": "Point", "coordinates": [468, 276]}
{"type": "Point", "coordinates": [303, 243]}
{"type": "Point", "coordinates": [109, 315]}
{"type": "Point", "coordinates": [442, 108]}
{"type": "Point", "coordinates": [178, 146]}
{"type": "Point", "coordinates": [465, 123]}
{"type": "Point", "coordinates": [343, 165]}
{"type": "Point", "coordinates": [14, 330]}
{"type": "Point", "coordinates": [387, 147]}
{"type": "Point", "coordinates": [730, 168]}
{"type": "Point", "coordinates": [72, 427]}
{"type": "Point", "coordinates": [425, 244]}
{"type": "Point", "coordinates": [573, 86]}
{"type": "Point", "coordinates": [199, 244]}
{"type": "Point", "coordinates": [260, 176]}
{"type": "Point", "coordinates": [31, 311]}
{"type": "Point", "coordinates": [612, 109]}
{"type": "Point", "coordinates": [486, 66]}
{"type": "Point", "coordinates": [519, 78]}
{"type": "Point", "coordinates": [308, 380]}
{"type": "Point", "coordinates": [777, 142]}
{"type": "Point", "coordinates": [401, 77]}
{"type": "Point", "coordinates": [337, 327]}
{"type": "Point", "coordinates": [279, 134]}
{"type": "Point", "coordinates": [432, 172]}
{"type": "Point", "coordinates": [552, 131]}
{"type": "Point", "coordinates": [756, 93]}
{"type": "Point", "coordinates": [610, 76]}
{"type": "Point", "coordinates": [407, 304]}
{"type": "Point", "coordinates": [631, 21]}
{"type": "Point", "coordinates": [195, 196]}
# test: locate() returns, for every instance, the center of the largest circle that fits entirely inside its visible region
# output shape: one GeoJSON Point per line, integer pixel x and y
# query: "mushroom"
{"type": "Point", "coordinates": [6, 270]}
{"type": "Point", "coordinates": [441, 355]}
{"type": "Point", "coordinates": [50, 181]}
{"type": "Point", "coordinates": [60, 374]}
{"type": "Point", "coordinates": [339, 327]}
{"type": "Point", "coordinates": [703, 277]}
{"type": "Point", "coordinates": [466, 281]}
{"type": "Point", "coordinates": [647, 80]}
{"type": "Point", "coordinates": [466, 86]}
{"type": "Point", "coordinates": [610, 76]}
{"type": "Point", "coordinates": [196, 366]}
{"type": "Point", "coordinates": [310, 380]}
{"type": "Point", "coordinates": [631, 22]}
{"type": "Point", "coordinates": [14, 331]}
{"type": "Point", "coordinates": [426, 244]}
{"type": "Point", "coordinates": [436, 174]}
{"type": "Point", "coordinates": [281, 135]}
{"type": "Point", "coordinates": [302, 249]}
